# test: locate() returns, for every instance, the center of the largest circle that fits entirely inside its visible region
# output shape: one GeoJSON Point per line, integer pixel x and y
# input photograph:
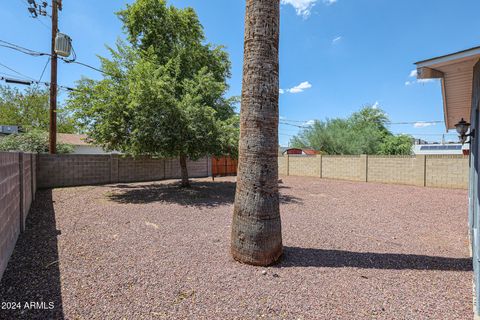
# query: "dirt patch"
{"type": "Point", "coordinates": [153, 251]}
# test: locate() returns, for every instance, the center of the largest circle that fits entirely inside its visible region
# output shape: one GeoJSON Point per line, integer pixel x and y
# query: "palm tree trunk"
{"type": "Point", "coordinates": [184, 171]}
{"type": "Point", "coordinates": [256, 227]}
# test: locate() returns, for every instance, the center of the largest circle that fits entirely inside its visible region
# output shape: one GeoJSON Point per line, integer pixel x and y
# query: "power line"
{"type": "Point", "coordinates": [428, 134]}
{"type": "Point", "coordinates": [43, 24]}
{"type": "Point", "coordinates": [17, 72]}
{"type": "Point", "coordinates": [8, 74]}
{"type": "Point", "coordinates": [21, 49]}
{"type": "Point", "coordinates": [415, 122]}
{"type": "Point", "coordinates": [285, 121]}
{"type": "Point", "coordinates": [38, 54]}
{"type": "Point", "coordinates": [30, 82]}
{"type": "Point", "coordinates": [86, 65]}
{"type": "Point", "coordinates": [294, 125]}
{"type": "Point", "coordinates": [44, 68]}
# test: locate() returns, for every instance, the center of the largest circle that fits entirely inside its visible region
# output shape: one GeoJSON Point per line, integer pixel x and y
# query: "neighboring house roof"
{"type": "Point", "coordinates": [308, 152]}
{"type": "Point", "coordinates": [74, 139]}
{"type": "Point", "coordinates": [456, 73]}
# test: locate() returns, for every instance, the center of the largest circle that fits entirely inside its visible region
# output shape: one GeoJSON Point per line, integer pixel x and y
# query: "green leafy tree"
{"type": "Point", "coordinates": [371, 117]}
{"type": "Point", "coordinates": [363, 132]}
{"type": "Point", "coordinates": [163, 93]}
{"type": "Point", "coordinates": [30, 110]}
{"type": "Point", "coordinates": [32, 141]}
{"type": "Point", "coordinates": [397, 145]}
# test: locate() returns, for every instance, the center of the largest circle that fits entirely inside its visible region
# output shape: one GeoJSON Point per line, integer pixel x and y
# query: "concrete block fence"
{"type": "Point", "coordinates": [76, 170]}
{"type": "Point", "coordinates": [17, 192]}
{"type": "Point", "coordinates": [443, 171]}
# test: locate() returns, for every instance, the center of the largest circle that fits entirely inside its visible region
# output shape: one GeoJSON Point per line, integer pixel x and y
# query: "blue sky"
{"type": "Point", "coordinates": [335, 55]}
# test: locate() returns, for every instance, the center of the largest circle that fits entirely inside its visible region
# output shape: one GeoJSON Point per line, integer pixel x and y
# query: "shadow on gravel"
{"type": "Point", "coordinates": [309, 257]}
{"type": "Point", "coordinates": [32, 275]}
{"type": "Point", "coordinates": [201, 194]}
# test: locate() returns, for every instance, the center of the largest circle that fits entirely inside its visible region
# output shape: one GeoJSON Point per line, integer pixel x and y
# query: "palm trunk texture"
{"type": "Point", "coordinates": [256, 227]}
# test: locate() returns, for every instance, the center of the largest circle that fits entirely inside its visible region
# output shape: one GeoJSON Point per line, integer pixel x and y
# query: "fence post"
{"type": "Point", "coordinates": [33, 173]}
{"type": "Point", "coordinates": [21, 189]}
{"type": "Point", "coordinates": [421, 170]}
{"type": "Point", "coordinates": [364, 158]}
{"type": "Point", "coordinates": [321, 165]}
{"type": "Point", "coordinates": [424, 170]}
{"type": "Point", "coordinates": [288, 164]}
{"type": "Point", "coordinates": [113, 168]}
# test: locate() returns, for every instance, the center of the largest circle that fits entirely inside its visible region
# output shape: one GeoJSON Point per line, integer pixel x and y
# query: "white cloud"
{"type": "Point", "coordinates": [309, 123]}
{"type": "Point", "coordinates": [300, 88]}
{"type": "Point", "coordinates": [281, 91]}
{"type": "Point", "coordinates": [413, 73]}
{"type": "Point", "coordinates": [335, 40]}
{"type": "Point", "coordinates": [421, 124]}
{"type": "Point", "coordinates": [329, 2]}
{"type": "Point", "coordinates": [376, 105]}
{"type": "Point", "coordinates": [302, 7]}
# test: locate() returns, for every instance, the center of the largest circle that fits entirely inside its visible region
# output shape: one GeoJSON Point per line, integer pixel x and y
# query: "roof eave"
{"type": "Point", "coordinates": [449, 57]}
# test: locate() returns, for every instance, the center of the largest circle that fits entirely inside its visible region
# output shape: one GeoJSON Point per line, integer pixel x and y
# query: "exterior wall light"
{"type": "Point", "coordinates": [462, 129]}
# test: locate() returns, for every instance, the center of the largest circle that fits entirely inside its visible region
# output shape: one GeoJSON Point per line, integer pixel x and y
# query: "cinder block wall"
{"type": "Point", "coordinates": [76, 170]}
{"type": "Point", "coordinates": [431, 171]}
{"type": "Point", "coordinates": [26, 186]}
{"type": "Point", "coordinates": [304, 166]}
{"type": "Point", "coordinates": [447, 171]}
{"type": "Point", "coordinates": [140, 169]}
{"type": "Point", "coordinates": [17, 191]}
{"type": "Point", "coordinates": [397, 169]}
{"type": "Point", "coordinates": [344, 167]}
{"type": "Point", "coordinates": [283, 165]}
{"type": "Point", "coordinates": [72, 170]}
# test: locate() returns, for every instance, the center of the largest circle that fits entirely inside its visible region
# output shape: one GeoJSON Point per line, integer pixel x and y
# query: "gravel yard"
{"type": "Point", "coordinates": [154, 251]}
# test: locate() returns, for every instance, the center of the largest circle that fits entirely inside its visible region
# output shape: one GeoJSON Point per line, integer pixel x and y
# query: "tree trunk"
{"type": "Point", "coordinates": [183, 167]}
{"type": "Point", "coordinates": [256, 227]}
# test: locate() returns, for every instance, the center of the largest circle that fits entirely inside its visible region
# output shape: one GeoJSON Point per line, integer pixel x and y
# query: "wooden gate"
{"type": "Point", "coordinates": [224, 166]}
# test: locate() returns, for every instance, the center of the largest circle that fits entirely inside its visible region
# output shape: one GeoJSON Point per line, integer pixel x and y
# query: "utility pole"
{"type": "Point", "coordinates": [56, 5]}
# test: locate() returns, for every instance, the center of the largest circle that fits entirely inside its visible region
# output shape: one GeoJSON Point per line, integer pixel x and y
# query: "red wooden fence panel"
{"type": "Point", "coordinates": [224, 166]}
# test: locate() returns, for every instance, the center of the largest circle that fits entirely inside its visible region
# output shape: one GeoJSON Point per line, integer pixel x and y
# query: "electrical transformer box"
{"type": "Point", "coordinates": [63, 45]}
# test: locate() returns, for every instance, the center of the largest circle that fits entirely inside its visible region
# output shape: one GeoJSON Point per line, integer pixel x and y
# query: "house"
{"type": "Point", "coordinates": [304, 152]}
{"type": "Point", "coordinates": [460, 78]}
{"type": "Point", "coordinates": [81, 144]}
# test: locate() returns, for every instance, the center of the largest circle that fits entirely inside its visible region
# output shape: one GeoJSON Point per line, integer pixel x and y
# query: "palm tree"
{"type": "Point", "coordinates": [256, 227]}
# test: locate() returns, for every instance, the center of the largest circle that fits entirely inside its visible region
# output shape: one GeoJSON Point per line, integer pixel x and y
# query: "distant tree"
{"type": "Point", "coordinates": [32, 141]}
{"type": "Point", "coordinates": [30, 109]}
{"type": "Point", "coordinates": [397, 145]}
{"type": "Point", "coordinates": [361, 133]}
{"type": "Point", "coordinates": [371, 117]}
{"type": "Point", "coordinates": [163, 93]}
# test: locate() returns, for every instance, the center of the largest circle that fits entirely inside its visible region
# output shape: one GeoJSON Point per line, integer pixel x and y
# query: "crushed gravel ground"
{"type": "Point", "coordinates": [155, 251]}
